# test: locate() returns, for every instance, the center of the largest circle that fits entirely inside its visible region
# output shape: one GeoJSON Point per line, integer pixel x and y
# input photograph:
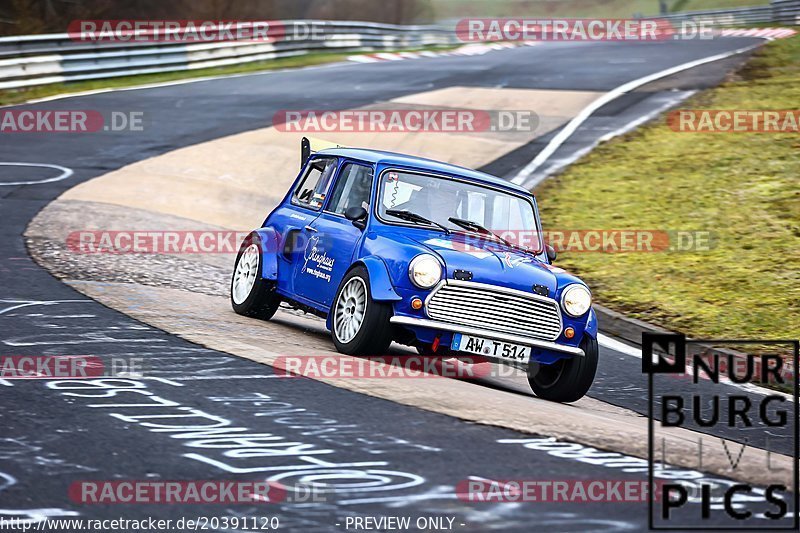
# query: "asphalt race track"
{"type": "Point", "coordinates": [383, 458]}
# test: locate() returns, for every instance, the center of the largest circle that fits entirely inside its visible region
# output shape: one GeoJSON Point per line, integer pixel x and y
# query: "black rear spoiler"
{"type": "Point", "coordinates": [309, 145]}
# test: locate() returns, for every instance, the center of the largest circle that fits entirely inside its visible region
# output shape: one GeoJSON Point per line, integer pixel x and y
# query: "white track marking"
{"type": "Point", "coordinates": [26, 303]}
{"type": "Point", "coordinates": [613, 344]}
{"type": "Point", "coordinates": [65, 173]}
{"type": "Point", "coordinates": [199, 378]}
{"type": "Point", "coordinates": [388, 56]}
{"type": "Point", "coordinates": [465, 50]}
{"type": "Point", "coordinates": [363, 59]}
{"type": "Point", "coordinates": [632, 125]}
{"type": "Point", "coordinates": [523, 177]}
{"type": "Point", "coordinates": [559, 164]}
{"type": "Point", "coordinates": [163, 380]}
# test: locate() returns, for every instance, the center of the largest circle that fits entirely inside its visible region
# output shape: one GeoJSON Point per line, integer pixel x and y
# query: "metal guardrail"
{"type": "Point", "coordinates": [725, 17]}
{"type": "Point", "coordinates": [786, 12]}
{"type": "Point", "coordinates": [782, 12]}
{"type": "Point", "coordinates": [31, 60]}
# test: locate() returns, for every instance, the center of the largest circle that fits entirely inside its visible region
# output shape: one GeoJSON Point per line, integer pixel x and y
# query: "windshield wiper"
{"type": "Point", "coordinates": [413, 217]}
{"type": "Point", "coordinates": [474, 226]}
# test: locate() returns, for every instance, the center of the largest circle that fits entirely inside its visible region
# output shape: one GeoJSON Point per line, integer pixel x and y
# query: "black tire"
{"type": "Point", "coordinates": [263, 300]}
{"type": "Point", "coordinates": [567, 380]}
{"type": "Point", "coordinates": [375, 332]}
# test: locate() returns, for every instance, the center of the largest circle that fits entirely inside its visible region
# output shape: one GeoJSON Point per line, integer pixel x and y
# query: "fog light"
{"type": "Point", "coordinates": [416, 304]}
{"type": "Point", "coordinates": [569, 333]}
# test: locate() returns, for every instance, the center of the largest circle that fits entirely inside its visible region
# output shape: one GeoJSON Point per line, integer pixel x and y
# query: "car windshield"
{"type": "Point", "coordinates": [440, 199]}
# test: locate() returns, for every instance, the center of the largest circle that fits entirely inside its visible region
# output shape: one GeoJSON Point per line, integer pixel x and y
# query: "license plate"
{"type": "Point", "coordinates": [490, 348]}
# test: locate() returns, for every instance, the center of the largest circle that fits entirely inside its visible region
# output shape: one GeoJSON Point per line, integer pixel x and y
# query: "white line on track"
{"type": "Point", "coordinates": [65, 173]}
{"type": "Point", "coordinates": [162, 380]}
{"type": "Point", "coordinates": [613, 344]}
{"type": "Point", "coordinates": [19, 304]}
{"type": "Point", "coordinates": [198, 378]}
{"type": "Point", "coordinates": [524, 176]}
{"type": "Point", "coordinates": [559, 164]}
{"type": "Point", "coordinates": [633, 124]}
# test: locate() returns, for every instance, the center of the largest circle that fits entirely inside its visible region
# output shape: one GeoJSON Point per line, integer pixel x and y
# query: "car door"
{"type": "Point", "coordinates": [332, 239]}
{"type": "Point", "coordinates": [297, 215]}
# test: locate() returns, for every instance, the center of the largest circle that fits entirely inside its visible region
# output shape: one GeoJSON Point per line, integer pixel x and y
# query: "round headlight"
{"type": "Point", "coordinates": [425, 271]}
{"type": "Point", "coordinates": [576, 300]}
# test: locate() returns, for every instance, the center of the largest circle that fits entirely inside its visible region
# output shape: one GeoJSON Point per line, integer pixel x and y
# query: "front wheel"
{"type": "Point", "coordinates": [360, 324]}
{"type": "Point", "coordinates": [567, 380]}
{"type": "Point", "coordinates": [252, 295]}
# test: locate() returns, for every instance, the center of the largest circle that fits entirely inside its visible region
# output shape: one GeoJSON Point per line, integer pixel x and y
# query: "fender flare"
{"type": "Point", "coordinates": [380, 283]}
{"type": "Point", "coordinates": [269, 252]}
{"type": "Point", "coordinates": [591, 324]}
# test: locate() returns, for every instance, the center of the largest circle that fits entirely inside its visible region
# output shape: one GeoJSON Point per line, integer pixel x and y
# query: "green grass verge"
{"type": "Point", "coordinates": [745, 188]}
{"type": "Point", "coordinates": [16, 96]}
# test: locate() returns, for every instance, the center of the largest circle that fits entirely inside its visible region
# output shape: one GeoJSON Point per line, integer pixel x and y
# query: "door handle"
{"type": "Point", "coordinates": [312, 229]}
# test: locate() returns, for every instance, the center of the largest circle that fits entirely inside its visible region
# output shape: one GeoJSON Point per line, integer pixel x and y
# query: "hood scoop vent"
{"type": "Point", "coordinates": [465, 275]}
{"type": "Point", "coordinates": [541, 290]}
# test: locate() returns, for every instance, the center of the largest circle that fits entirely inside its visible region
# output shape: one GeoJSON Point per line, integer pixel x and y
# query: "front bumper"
{"type": "Point", "coordinates": [489, 334]}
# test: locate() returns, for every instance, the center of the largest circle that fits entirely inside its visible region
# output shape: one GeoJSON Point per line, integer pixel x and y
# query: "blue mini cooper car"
{"type": "Point", "coordinates": [389, 247]}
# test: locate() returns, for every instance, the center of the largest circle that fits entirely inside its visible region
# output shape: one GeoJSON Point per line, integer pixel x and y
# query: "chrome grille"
{"type": "Point", "coordinates": [495, 308]}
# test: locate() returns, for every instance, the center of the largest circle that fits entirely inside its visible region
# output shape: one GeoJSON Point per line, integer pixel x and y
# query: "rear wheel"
{"type": "Point", "coordinates": [360, 324]}
{"type": "Point", "coordinates": [251, 295]}
{"type": "Point", "coordinates": [568, 380]}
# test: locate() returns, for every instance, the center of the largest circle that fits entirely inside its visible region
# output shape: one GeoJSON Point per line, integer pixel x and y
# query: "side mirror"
{"type": "Point", "coordinates": [357, 215]}
{"type": "Point", "coordinates": [551, 252]}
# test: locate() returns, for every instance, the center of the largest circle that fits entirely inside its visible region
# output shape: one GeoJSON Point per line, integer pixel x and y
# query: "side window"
{"type": "Point", "coordinates": [352, 189]}
{"type": "Point", "coordinates": [311, 190]}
